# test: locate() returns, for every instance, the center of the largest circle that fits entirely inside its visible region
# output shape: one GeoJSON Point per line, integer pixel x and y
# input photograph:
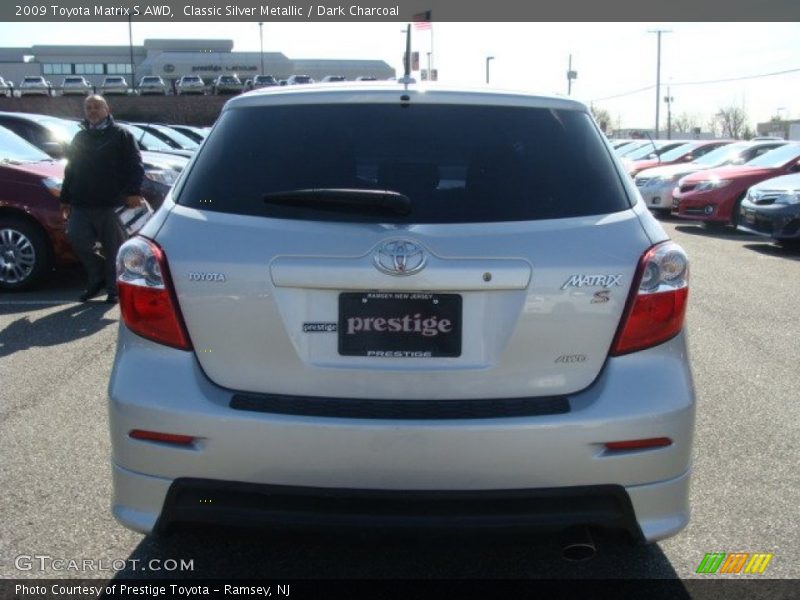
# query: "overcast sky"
{"type": "Point", "coordinates": [610, 58]}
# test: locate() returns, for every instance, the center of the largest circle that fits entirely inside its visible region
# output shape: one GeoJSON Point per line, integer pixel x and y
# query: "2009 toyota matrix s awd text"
{"type": "Point", "coordinates": [399, 313]}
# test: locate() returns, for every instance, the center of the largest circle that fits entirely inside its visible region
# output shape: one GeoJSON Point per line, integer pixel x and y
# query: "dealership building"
{"type": "Point", "coordinates": [172, 59]}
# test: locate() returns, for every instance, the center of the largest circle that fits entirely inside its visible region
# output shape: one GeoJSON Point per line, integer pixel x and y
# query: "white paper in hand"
{"type": "Point", "coordinates": [133, 219]}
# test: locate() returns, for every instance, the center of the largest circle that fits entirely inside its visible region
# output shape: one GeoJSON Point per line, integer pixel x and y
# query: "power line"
{"type": "Point", "coordinates": [650, 87]}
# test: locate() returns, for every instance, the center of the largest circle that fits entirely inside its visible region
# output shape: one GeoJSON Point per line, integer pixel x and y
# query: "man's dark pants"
{"type": "Point", "coordinates": [85, 227]}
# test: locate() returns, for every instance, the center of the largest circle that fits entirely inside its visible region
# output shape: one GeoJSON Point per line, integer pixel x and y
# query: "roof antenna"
{"type": "Point", "coordinates": [407, 62]}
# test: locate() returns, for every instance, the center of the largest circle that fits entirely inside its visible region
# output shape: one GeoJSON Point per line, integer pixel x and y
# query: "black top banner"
{"type": "Point", "coordinates": [399, 10]}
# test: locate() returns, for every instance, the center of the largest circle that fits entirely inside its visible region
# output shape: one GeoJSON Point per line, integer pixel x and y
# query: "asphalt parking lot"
{"type": "Point", "coordinates": [744, 334]}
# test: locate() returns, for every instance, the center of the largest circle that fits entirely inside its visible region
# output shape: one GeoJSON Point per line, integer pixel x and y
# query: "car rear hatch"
{"type": "Point", "coordinates": [377, 249]}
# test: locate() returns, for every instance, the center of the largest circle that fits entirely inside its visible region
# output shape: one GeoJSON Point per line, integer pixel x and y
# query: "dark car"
{"type": "Point", "coordinates": [772, 209]}
{"type": "Point", "coordinates": [170, 136]}
{"type": "Point", "coordinates": [198, 134]}
{"type": "Point", "coordinates": [32, 230]}
{"type": "Point", "coordinates": [50, 134]}
{"type": "Point", "coordinates": [683, 153]}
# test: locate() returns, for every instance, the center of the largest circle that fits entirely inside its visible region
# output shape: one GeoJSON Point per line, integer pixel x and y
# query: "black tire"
{"type": "Point", "coordinates": [24, 254]}
{"type": "Point", "coordinates": [737, 206]}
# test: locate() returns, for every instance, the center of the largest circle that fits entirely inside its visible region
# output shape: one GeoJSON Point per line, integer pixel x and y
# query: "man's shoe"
{"type": "Point", "coordinates": [91, 292]}
{"type": "Point", "coordinates": [112, 299]}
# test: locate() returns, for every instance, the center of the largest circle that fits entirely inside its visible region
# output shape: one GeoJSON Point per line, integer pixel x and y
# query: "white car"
{"type": "Point", "coordinates": [397, 313]}
{"type": "Point", "coordinates": [6, 88]}
{"type": "Point", "coordinates": [114, 84]}
{"type": "Point", "coordinates": [34, 86]}
{"type": "Point", "coordinates": [190, 84]}
{"type": "Point", "coordinates": [152, 84]}
{"type": "Point", "coordinates": [76, 85]}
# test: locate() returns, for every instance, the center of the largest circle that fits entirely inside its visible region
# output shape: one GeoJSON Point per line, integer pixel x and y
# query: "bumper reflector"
{"type": "Point", "coordinates": [639, 444]}
{"type": "Point", "coordinates": [157, 436]}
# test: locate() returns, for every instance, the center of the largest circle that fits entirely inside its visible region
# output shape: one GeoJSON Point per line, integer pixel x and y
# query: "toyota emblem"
{"type": "Point", "coordinates": [400, 257]}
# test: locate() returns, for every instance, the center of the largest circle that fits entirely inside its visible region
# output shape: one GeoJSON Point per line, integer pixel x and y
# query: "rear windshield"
{"type": "Point", "coordinates": [455, 163]}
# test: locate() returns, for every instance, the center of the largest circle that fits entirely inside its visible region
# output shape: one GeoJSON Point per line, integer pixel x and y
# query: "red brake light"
{"type": "Point", "coordinates": [146, 295]}
{"type": "Point", "coordinates": [639, 444]}
{"type": "Point", "coordinates": [157, 436]}
{"type": "Point", "coordinates": [657, 306]}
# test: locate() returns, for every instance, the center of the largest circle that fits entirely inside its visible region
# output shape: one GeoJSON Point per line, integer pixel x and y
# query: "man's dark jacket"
{"type": "Point", "coordinates": [104, 166]}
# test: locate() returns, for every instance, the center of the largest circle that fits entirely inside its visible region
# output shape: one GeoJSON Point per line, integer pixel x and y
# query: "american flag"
{"type": "Point", "coordinates": [422, 20]}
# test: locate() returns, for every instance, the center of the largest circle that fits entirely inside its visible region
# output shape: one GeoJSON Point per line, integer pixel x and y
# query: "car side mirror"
{"type": "Point", "coordinates": [688, 158]}
{"type": "Point", "coordinates": [55, 149]}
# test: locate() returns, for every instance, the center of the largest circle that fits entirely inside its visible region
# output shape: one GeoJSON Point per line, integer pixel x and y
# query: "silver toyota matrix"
{"type": "Point", "coordinates": [410, 306]}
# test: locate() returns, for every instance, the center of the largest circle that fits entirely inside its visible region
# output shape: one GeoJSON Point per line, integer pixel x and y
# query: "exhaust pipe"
{"type": "Point", "coordinates": [578, 544]}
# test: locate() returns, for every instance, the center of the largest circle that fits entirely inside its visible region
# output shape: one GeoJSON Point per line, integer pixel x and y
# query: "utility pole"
{"type": "Point", "coordinates": [570, 76]}
{"type": "Point", "coordinates": [668, 99]}
{"type": "Point", "coordinates": [130, 45]}
{"type": "Point", "coordinates": [261, 39]}
{"type": "Point", "coordinates": [488, 58]}
{"type": "Point", "coordinates": [658, 74]}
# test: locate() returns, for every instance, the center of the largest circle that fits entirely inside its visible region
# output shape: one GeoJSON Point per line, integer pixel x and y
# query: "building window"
{"type": "Point", "coordinates": [118, 68]}
{"type": "Point", "coordinates": [89, 69]}
{"type": "Point", "coordinates": [57, 69]}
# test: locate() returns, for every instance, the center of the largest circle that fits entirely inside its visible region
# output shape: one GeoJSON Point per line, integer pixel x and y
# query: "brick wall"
{"type": "Point", "coordinates": [178, 110]}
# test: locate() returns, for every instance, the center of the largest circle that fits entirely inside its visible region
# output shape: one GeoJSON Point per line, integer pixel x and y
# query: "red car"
{"type": "Point", "coordinates": [32, 230]}
{"type": "Point", "coordinates": [714, 196]}
{"type": "Point", "coordinates": [685, 152]}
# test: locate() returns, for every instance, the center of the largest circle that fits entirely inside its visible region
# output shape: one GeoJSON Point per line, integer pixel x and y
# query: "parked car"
{"type": "Point", "coordinates": [76, 85]}
{"type": "Point", "coordinates": [35, 86]}
{"type": "Point", "coordinates": [227, 84]}
{"type": "Point", "coordinates": [32, 230]}
{"type": "Point", "coordinates": [260, 81]}
{"type": "Point", "coordinates": [633, 146]}
{"type": "Point", "coordinates": [152, 84]}
{"type": "Point", "coordinates": [772, 209]}
{"type": "Point", "coordinates": [114, 85]}
{"type": "Point", "coordinates": [333, 78]}
{"type": "Point", "coordinates": [656, 184]}
{"type": "Point", "coordinates": [392, 316]}
{"type": "Point", "coordinates": [190, 84]}
{"type": "Point", "coordinates": [682, 153]}
{"type": "Point", "coordinates": [715, 196]}
{"type": "Point", "coordinates": [648, 151]}
{"type": "Point", "coordinates": [50, 134]}
{"type": "Point", "coordinates": [298, 79]}
{"type": "Point", "coordinates": [198, 134]}
{"type": "Point", "coordinates": [170, 136]}
{"type": "Point", "coordinates": [153, 143]}
{"type": "Point", "coordinates": [6, 88]}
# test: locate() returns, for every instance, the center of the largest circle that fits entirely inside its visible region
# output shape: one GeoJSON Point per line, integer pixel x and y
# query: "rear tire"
{"type": "Point", "coordinates": [24, 254]}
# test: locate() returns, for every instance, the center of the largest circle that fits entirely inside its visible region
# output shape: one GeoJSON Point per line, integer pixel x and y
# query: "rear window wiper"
{"type": "Point", "coordinates": [333, 198]}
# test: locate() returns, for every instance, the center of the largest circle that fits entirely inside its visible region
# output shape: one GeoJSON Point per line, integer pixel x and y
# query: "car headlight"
{"type": "Point", "coordinates": [53, 185]}
{"type": "Point", "coordinates": [163, 176]}
{"type": "Point", "coordinates": [790, 198]}
{"type": "Point", "coordinates": [711, 184]}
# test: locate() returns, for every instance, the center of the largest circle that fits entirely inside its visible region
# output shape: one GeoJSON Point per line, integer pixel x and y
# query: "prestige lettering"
{"type": "Point", "coordinates": [427, 326]}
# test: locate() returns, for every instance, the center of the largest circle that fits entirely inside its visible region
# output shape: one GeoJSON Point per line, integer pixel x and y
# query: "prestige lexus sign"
{"type": "Point", "coordinates": [217, 68]}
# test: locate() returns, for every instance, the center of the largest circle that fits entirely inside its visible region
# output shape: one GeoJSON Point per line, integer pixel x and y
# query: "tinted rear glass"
{"type": "Point", "coordinates": [455, 163]}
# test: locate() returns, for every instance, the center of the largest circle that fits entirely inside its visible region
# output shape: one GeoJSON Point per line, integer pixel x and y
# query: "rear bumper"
{"type": "Point", "coordinates": [642, 395]}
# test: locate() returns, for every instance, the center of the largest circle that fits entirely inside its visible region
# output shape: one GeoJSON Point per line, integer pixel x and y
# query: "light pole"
{"type": "Point", "coordinates": [261, 39]}
{"type": "Point", "coordinates": [658, 74]}
{"type": "Point", "coordinates": [429, 66]}
{"type": "Point", "coordinates": [570, 76]}
{"type": "Point", "coordinates": [130, 45]}
{"type": "Point", "coordinates": [669, 99]}
{"type": "Point", "coordinates": [488, 59]}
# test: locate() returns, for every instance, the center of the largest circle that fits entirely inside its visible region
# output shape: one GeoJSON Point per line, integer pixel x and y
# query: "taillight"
{"type": "Point", "coordinates": [657, 306]}
{"type": "Point", "coordinates": [146, 296]}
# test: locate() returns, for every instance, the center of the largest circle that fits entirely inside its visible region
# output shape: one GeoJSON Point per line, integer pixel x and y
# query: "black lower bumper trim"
{"type": "Point", "coordinates": [295, 507]}
{"type": "Point", "coordinates": [357, 408]}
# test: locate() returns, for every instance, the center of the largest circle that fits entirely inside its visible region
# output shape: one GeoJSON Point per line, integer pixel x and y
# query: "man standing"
{"type": "Point", "coordinates": [104, 172]}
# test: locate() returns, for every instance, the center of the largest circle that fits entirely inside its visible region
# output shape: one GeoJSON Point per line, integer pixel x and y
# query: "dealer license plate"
{"type": "Point", "coordinates": [399, 324]}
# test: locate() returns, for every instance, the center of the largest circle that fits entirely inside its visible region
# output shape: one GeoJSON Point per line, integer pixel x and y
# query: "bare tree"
{"type": "Point", "coordinates": [602, 116]}
{"type": "Point", "coordinates": [685, 123]}
{"type": "Point", "coordinates": [732, 120]}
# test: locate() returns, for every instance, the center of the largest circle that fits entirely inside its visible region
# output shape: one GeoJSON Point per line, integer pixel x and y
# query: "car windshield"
{"type": "Point", "coordinates": [678, 152]}
{"type": "Point", "coordinates": [455, 163]}
{"type": "Point", "coordinates": [777, 157]}
{"type": "Point", "coordinates": [63, 130]}
{"type": "Point", "coordinates": [33, 80]}
{"type": "Point", "coordinates": [73, 80]}
{"type": "Point", "coordinates": [151, 80]}
{"type": "Point", "coordinates": [185, 141]}
{"type": "Point", "coordinates": [645, 151]}
{"type": "Point", "coordinates": [14, 149]}
{"type": "Point", "coordinates": [227, 79]}
{"type": "Point", "coordinates": [113, 79]}
{"type": "Point", "coordinates": [632, 147]}
{"type": "Point", "coordinates": [147, 139]}
{"type": "Point", "coordinates": [722, 156]}
{"type": "Point", "coordinates": [191, 80]}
